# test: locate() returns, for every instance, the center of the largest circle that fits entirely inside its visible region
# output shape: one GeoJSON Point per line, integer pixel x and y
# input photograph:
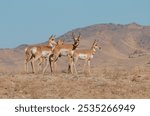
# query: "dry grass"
{"type": "Point", "coordinates": [103, 83]}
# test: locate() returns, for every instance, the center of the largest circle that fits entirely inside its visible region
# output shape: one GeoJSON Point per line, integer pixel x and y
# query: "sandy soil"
{"type": "Point", "coordinates": [104, 82]}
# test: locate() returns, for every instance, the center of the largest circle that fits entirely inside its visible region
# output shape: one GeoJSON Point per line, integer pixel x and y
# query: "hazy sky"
{"type": "Point", "coordinates": [33, 21]}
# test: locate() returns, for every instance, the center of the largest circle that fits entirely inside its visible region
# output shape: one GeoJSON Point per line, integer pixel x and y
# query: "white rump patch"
{"type": "Point", "coordinates": [64, 52]}
{"type": "Point", "coordinates": [34, 50]}
{"type": "Point", "coordinates": [45, 53]}
{"type": "Point", "coordinates": [82, 56]}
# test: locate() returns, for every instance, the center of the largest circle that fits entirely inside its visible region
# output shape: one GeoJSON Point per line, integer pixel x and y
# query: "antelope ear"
{"type": "Point", "coordinates": [78, 39]}
{"type": "Point", "coordinates": [79, 35]}
{"type": "Point", "coordinates": [50, 37]}
{"type": "Point", "coordinates": [73, 36]}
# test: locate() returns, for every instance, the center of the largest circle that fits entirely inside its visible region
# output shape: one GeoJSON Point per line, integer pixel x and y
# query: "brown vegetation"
{"type": "Point", "coordinates": [121, 69]}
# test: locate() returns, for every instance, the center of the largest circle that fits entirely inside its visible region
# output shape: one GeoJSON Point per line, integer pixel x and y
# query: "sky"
{"type": "Point", "coordinates": [33, 21]}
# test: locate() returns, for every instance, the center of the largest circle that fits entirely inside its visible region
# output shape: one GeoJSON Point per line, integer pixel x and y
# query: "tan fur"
{"type": "Point", "coordinates": [65, 50]}
{"type": "Point", "coordinates": [34, 53]}
{"type": "Point", "coordinates": [49, 58]}
{"type": "Point", "coordinates": [84, 54]}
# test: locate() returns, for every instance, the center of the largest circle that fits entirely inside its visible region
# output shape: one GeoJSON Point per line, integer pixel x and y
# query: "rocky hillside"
{"type": "Point", "coordinates": [118, 42]}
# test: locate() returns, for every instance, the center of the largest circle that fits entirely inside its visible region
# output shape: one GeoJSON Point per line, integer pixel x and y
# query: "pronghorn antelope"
{"type": "Point", "coordinates": [65, 50]}
{"type": "Point", "coordinates": [38, 52]}
{"type": "Point", "coordinates": [49, 58]}
{"type": "Point", "coordinates": [84, 54]}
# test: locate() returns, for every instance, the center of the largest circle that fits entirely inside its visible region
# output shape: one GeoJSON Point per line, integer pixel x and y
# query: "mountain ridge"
{"type": "Point", "coordinates": [118, 42]}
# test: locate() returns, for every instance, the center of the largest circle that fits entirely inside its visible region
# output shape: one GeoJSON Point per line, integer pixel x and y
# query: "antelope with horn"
{"type": "Point", "coordinates": [65, 50]}
{"type": "Point", "coordinates": [84, 54]}
{"type": "Point", "coordinates": [38, 52]}
{"type": "Point", "coordinates": [49, 58]}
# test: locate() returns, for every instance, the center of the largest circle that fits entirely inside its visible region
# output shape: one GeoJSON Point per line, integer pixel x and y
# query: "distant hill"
{"type": "Point", "coordinates": [118, 42]}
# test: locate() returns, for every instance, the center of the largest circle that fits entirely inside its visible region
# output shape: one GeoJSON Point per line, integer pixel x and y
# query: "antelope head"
{"type": "Point", "coordinates": [60, 42]}
{"type": "Point", "coordinates": [95, 45]}
{"type": "Point", "coordinates": [51, 41]}
{"type": "Point", "coordinates": [76, 39]}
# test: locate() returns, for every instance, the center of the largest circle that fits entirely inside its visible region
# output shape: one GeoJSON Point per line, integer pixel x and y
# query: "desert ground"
{"type": "Point", "coordinates": [121, 69]}
{"type": "Point", "coordinates": [105, 82]}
